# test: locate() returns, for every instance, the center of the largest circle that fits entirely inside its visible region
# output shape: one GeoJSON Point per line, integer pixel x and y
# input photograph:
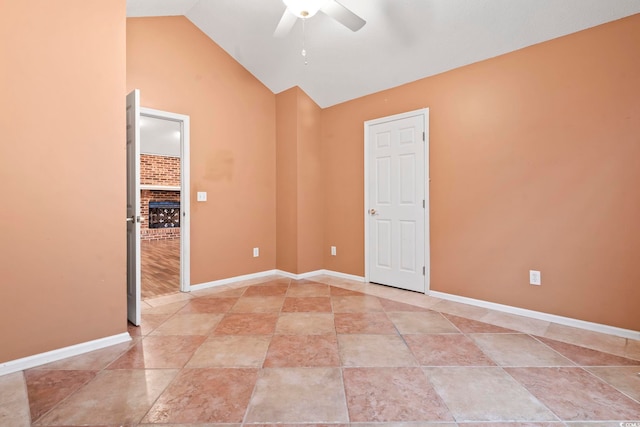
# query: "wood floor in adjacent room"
{"type": "Point", "coordinates": [334, 352]}
{"type": "Point", "coordinates": [160, 267]}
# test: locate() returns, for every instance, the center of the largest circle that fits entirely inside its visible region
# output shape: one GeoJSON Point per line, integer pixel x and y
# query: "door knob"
{"type": "Point", "coordinates": [373, 212]}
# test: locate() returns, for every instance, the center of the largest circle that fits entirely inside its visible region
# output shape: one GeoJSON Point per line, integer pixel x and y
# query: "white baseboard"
{"type": "Point", "coordinates": [567, 321]}
{"type": "Point", "coordinates": [310, 274]}
{"type": "Point", "coordinates": [229, 280]}
{"type": "Point", "coordinates": [276, 272]}
{"type": "Point", "coordinates": [61, 353]}
{"type": "Point", "coordinates": [343, 275]}
{"type": "Point", "coordinates": [298, 276]}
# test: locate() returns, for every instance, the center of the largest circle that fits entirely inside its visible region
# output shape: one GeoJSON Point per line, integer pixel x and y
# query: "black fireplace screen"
{"type": "Point", "coordinates": [164, 214]}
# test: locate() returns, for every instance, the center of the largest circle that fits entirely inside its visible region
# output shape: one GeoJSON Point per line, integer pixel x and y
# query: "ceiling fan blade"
{"type": "Point", "coordinates": [343, 15]}
{"type": "Point", "coordinates": [286, 23]}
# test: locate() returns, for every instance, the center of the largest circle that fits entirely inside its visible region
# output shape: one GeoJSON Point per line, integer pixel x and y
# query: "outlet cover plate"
{"type": "Point", "coordinates": [256, 252]}
{"type": "Point", "coordinates": [534, 278]}
{"type": "Point", "coordinates": [333, 250]}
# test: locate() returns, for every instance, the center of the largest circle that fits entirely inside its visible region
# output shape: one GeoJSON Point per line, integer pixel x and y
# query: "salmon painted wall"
{"type": "Point", "coordinates": [179, 69]}
{"type": "Point", "coordinates": [287, 180]}
{"type": "Point", "coordinates": [62, 166]}
{"type": "Point", "coordinates": [300, 187]}
{"type": "Point", "coordinates": [535, 164]}
{"type": "Point", "coordinates": [310, 186]}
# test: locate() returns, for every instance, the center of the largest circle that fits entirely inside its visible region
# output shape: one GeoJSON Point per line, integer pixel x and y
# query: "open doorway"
{"type": "Point", "coordinates": [163, 198]}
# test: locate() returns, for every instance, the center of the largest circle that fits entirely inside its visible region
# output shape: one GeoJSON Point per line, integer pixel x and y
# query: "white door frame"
{"type": "Point", "coordinates": [185, 191]}
{"type": "Point", "coordinates": [424, 112]}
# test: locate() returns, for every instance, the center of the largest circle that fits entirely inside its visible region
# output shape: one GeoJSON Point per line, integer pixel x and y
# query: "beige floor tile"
{"type": "Point", "coordinates": [584, 356]}
{"type": "Point", "coordinates": [149, 322]}
{"type": "Point", "coordinates": [164, 309]}
{"type": "Point", "coordinates": [595, 340]}
{"type": "Point", "coordinates": [486, 394]}
{"type": "Point", "coordinates": [446, 350]}
{"type": "Point", "coordinates": [355, 304]}
{"type": "Point", "coordinates": [517, 323]}
{"type": "Point", "coordinates": [574, 394]}
{"type": "Point", "coordinates": [632, 349]}
{"type": "Point", "coordinates": [389, 292]}
{"type": "Point", "coordinates": [518, 350]}
{"type": "Point", "coordinates": [264, 304]}
{"type": "Point", "coordinates": [195, 425]}
{"type": "Point", "coordinates": [428, 322]}
{"type": "Point", "coordinates": [364, 323]}
{"type": "Point", "coordinates": [406, 424]}
{"type": "Point", "coordinates": [223, 291]}
{"type": "Point", "coordinates": [231, 351]}
{"type": "Point", "coordinates": [462, 310]}
{"type": "Point", "coordinates": [189, 324]}
{"type": "Point", "coordinates": [470, 326]}
{"type": "Point", "coordinates": [348, 284]}
{"type": "Point", "coordinates": [592, 424]}
{"type": "Point", "coordinates": [14, 403]}
{"type": "Point", "coordinates": [308, 290]}
{"type": "Point", "coordinates": [92, 361]}
{"type": "Point", "coordinates": [168, 299]}
{"type": "Point", "coordinates": [291, 395]}
{"type": "Point", "coordinates": [159, 352]}
{"type": "Point", "coordinates": [305, 324]}
{"type": "Point", "coordinates": [113, 397]}
{"type": "Point", "coordinates": [624, 378]}
{"type": "Point", "coordinates": [374, 350]}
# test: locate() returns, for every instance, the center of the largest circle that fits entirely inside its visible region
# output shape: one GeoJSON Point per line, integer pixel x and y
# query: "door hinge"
{"type": "Point", "coordinates": [424, 136]}
{"type": "Point", "coordinates": [424, 270]}
{"type": "Point", "coordinates": [423, 204]}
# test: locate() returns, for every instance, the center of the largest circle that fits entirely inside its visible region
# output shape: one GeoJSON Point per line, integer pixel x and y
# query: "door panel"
{"type": "Point", "coordinates": [133, 207]}
{"type": "Point", "coordinates": [396, 214]}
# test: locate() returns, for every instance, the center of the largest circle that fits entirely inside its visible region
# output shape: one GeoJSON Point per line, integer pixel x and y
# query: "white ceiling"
{"type": "Point", "coordinates": [403, 40]}
{"type": "Point", "coordinates": [159, 136]}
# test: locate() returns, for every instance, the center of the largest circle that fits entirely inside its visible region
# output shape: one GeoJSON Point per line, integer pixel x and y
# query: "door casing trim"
{"type": "Point", "coordinates": [185, 190]}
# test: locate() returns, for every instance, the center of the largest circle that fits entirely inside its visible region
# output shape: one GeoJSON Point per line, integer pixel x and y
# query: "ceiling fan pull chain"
{"type": "Point", "coordinates": [304, 51]}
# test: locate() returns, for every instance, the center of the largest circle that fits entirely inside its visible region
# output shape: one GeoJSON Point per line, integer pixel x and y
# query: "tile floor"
{"type": "Point", "coordinates": [332, 352]}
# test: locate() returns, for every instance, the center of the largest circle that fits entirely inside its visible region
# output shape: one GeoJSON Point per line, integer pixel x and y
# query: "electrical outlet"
{"type": "Point", "coordinates": [333, 250]}
{"type": "Point", "coordinates": [534, 278]}
{"type": "Point", "coordinates": [201, 196]}
{"type": "Point", "coordinates": [256, 252]}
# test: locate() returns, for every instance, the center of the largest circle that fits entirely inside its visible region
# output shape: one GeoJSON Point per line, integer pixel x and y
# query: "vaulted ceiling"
{"type": "Point", "coordinates": [402, 41]}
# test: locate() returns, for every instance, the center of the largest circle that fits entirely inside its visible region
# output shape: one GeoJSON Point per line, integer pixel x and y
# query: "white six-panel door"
{"type": "Point", "coordinates": [133, 207]}
{"type": "Point", "coordinates": [397, 202]}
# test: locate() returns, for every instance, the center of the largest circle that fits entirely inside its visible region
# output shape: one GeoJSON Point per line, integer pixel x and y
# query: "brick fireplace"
{"type": "Point", "coordinates": [160, 187]}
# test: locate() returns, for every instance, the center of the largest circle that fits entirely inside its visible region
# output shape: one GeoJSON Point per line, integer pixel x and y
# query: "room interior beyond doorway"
{"type": "Point", "coordinates": [160, 184]}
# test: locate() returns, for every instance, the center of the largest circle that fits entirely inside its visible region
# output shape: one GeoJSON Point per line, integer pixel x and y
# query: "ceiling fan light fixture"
{"type": "Point", "coordinates": [304, 8]}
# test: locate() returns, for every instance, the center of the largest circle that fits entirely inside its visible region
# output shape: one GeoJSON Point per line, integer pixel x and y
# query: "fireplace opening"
{"type": "Point", "coordinates": [164, 214]}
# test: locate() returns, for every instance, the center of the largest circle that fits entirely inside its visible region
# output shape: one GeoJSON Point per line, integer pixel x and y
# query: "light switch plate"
{"type": "Point", "coordinates": [202, 196]}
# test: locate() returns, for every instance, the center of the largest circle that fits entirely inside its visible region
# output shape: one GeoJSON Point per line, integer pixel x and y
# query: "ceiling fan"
{"type": "Point", "coordinates": [307, 8]}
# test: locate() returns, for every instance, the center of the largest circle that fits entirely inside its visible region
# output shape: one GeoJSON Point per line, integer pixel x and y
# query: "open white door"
{"type": "Point", "coordinates": [133, 207]}
{"type": "Point", "coordinates": [397, 200]}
